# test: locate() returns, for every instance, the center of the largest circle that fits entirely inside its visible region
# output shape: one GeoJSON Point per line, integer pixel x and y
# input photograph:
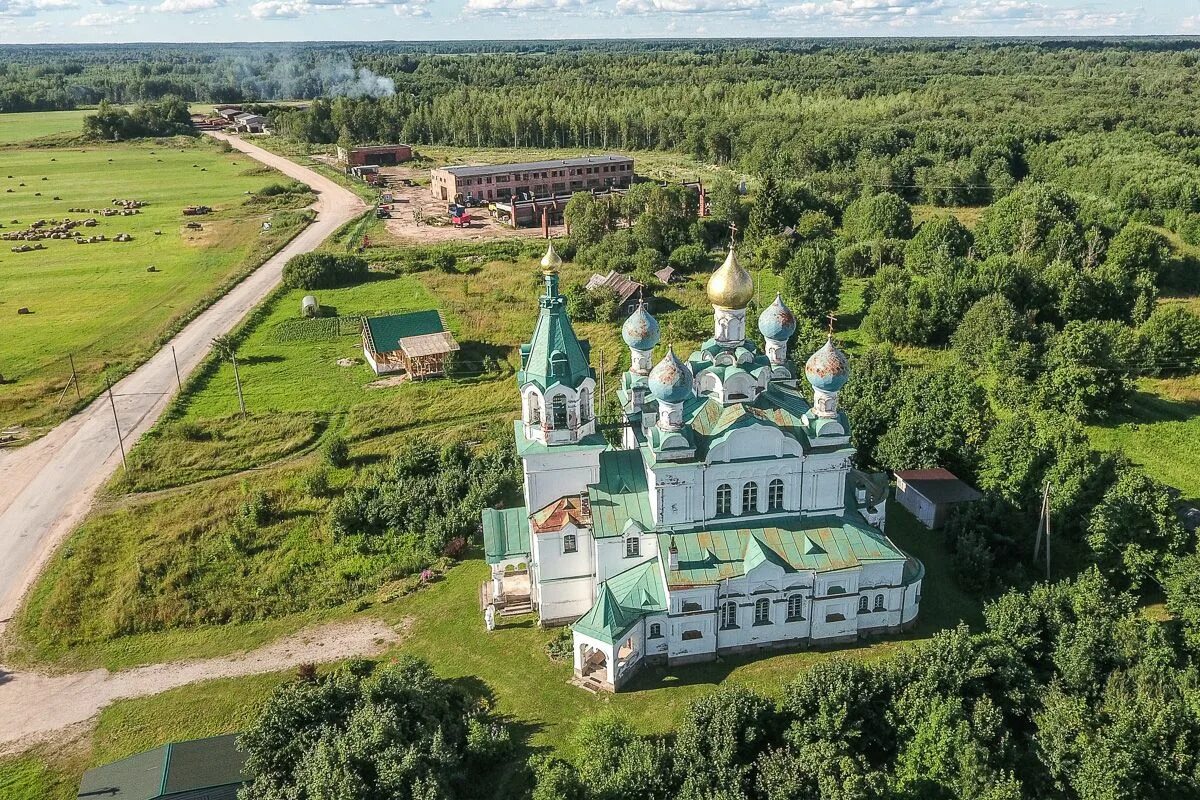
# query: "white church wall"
{"type": "Point", "coordinates": [611, 558]}
{"type": "Point", "coordinates": [564, 599]}
{"type": "Point", "coordinates": [657, 629]}
{"type": "Point", "coordinates": [912, 602]}
{"type": "Point", "coordinates": [554, 562]}
{"type": "Point", "coordinates": [551, 476]}
{"type": "Point", "coordinates": [825, 483]}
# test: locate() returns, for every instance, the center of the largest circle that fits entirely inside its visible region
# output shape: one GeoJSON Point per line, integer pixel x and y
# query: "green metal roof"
{"type": "Point", "coordinates": [554, 354]}
{"type": "Point", "coordinates": [169, 770]}
{"type": "Point", "coordinates": [621, 495]}
{"type": "Point", "coordinates": [623, 600]}
{"type": "Point", "coordinates": [387, 331]}
{"type": "Point", "coordinates": [819, 544]}
{"type": "Point", "coordinates": [505, 534]}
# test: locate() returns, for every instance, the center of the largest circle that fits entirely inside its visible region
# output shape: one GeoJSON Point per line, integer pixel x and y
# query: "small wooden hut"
{"type": "Point", "coordinates": [416, 343]}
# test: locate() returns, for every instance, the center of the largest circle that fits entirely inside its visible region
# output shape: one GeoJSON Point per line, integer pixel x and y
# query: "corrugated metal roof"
{"type": "Point", "coordinates": [171, 769]}
{"type": "Point", "coordinates": [819, 544]}
{"type": "Point", "coordinates": [505, 533]}
{"type": "Point", "coordinates": [473, 170]}
{"type": "Point", "coordinates": [387, 331]}
{"type": "Point", "coordinates": [621, 495]}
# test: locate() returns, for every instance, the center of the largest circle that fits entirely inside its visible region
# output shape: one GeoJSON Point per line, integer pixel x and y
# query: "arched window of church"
{"type": "Point", "coordinates": [585, 405]}
{"type": "Point", "coordinates": [569, 543]}
{"type": "Point", "coordinates": [775, 495]}
{"type": "Point", "coordinates": [724, 499]}
{"type": "Point", "coordinates": [535, 410]}
{"type": "Point", "coordinates": [558, 365]}
{"type": "Point", "coordinates": [762, 611]}
{"type": "Point", "coordinates": [633, 547]}
{"type": "Point", "coordinates": [558, 409]}
{"type": "Point", "coordinates": [796, 606]}
{"type": "Point", "coordinates": [729, 615]}
{"type": "Point", "coordinates": [863, 605]}
{"type": "Point", "coordinates": [750, 498]}
{"type": "Point", "coordinates": [879, 602]}
{"type": "Point", "coordinates": [655, 630]}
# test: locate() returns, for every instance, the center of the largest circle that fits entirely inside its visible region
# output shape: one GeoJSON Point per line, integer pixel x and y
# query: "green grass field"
{"type": "Point", "coordinates": [97, 302]}
{"type": "Point", "coordinates": [26, 126]}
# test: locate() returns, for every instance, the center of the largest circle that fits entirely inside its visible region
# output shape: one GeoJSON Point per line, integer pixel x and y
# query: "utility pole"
{"type": "Point", "coordinates": [238, 380]}
{"type": "Point", "coordinates": [116, 422]}
{"type": "Point", "coordinates": [178, 383]}
{"type": "Point", "coordinates": [1044, 524]}
{"type": "Point", "coordinates": [74, 377]}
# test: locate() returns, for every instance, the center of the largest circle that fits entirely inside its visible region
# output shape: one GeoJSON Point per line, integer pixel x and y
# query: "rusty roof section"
{"type": "Point", "coordinates": [816, 544]}
{"type": "Point", "coordinates": [572, 509]}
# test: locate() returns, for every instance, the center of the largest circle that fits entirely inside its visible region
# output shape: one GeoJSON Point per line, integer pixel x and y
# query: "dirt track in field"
{"type": "Point", "coordinates": [36, 707]}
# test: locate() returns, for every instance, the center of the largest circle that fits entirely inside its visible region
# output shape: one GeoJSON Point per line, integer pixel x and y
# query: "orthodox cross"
{"type": "Point", "coordinates": [832, 319]}
{"type": "Point", "coordinates": [733, 229]}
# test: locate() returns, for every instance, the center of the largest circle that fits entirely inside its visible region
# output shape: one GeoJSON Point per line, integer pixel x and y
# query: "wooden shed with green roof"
{"type": "Point", "coordinates": [199, 769]}
{"type": "Point", "coordinates": [416, 343]}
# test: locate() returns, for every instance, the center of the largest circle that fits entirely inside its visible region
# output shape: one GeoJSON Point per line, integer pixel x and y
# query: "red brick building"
{"type": "Point", "coordinates": [532, 178]}
{"type": "Point", "coordinates": [380, 155]}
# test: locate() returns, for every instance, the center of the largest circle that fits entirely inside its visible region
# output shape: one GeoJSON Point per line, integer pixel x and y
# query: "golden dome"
{"type": "Point", "coordinates": [551, 261]}
{"type": "Point", "coordinates": [731, 286]}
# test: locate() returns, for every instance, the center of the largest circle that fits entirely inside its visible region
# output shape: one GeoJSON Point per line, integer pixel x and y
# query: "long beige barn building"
{"type": "Point", "coordinates": [532, 178]}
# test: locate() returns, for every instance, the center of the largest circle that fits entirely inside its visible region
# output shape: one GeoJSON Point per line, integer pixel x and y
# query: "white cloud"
{"type": "Point", "coordinates": [28, 8]}
{"type": "Point", "coordinates": [188, 6]}
{"type": "Point", "coordinates": [291, 9]}
{"type": "Point", "coordinates": [688, 6]}
{"type": "Point", "coordinates": [521, 6]}
{"type": "Point", "coordinates": [1190, 23]}
{"type": "Point", "coordinates": [1025, 13]}
{"type": "Point", "coordinates": [100, 19]}
{"type": "Point", "coordinates": [863, 12]}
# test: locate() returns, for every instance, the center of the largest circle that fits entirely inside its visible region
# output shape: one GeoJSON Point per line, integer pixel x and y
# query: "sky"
{"type": "Point", "coordinates": [30, 21]}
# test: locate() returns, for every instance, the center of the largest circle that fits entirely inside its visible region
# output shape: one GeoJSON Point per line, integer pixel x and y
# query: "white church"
{"type": "Point", "coordinates": [730, 518]}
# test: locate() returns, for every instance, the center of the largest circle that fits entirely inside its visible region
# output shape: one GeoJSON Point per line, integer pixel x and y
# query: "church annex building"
{"type": "Point", "coordinates": [731, 517]}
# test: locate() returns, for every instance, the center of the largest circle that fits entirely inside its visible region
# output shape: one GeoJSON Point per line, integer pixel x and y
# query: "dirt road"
{"type": "Point", "coordinates": [37, 706]}
{"type": "Point", "coordinates": [47, 487]}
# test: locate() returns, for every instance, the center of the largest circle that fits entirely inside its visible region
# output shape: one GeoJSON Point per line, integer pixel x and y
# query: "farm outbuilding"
{"type": "Point", "coordinates": [930, 494]}
{"type": "Point", "coordinates": [199, 769]}
{"type": "Point", "coordinates": [624, 287]}
{"type": "Point", "coordinates": [416, 343]}
{"type": "Point", "coordinates": [380, 155]}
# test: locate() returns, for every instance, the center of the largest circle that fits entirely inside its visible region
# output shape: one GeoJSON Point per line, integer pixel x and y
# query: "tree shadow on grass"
{"type": "Point", "coordinates": [250, 361]}
{"type": "Point", "coordinates": [1146, 408]}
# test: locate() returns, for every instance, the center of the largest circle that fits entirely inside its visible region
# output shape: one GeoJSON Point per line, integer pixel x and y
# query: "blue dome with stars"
{"type": "Point", "coordinates": [777, 321]}
{"type": "Point", "coordinates": [670, 380]}
{"type": "Point", "coordinates": [640, 331]}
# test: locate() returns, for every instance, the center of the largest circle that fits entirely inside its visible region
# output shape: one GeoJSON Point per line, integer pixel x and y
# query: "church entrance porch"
{"type": "Point", "coordinates": [508, 590]}
{"type": "Point", "coordinates": [593, 665]}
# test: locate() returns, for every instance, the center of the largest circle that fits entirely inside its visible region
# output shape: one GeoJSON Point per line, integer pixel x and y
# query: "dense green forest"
{"type": "Point", "coordinates": [943, 121]}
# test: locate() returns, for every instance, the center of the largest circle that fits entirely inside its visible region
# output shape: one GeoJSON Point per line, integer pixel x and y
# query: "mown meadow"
{"type": "Point", "coordinates": [99, 303]}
